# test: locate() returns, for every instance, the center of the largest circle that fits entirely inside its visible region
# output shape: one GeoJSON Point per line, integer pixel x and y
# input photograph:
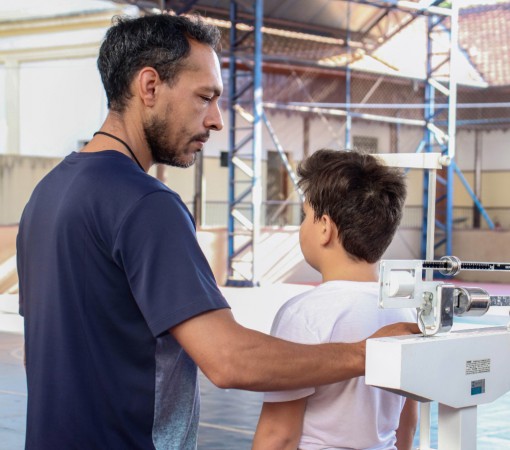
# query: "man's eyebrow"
{"type": "Point", "coordinates": [216, 91]}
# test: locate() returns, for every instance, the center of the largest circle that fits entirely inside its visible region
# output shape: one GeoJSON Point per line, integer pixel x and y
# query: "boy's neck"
{"type": "Point", "coordinates": [350, 271]}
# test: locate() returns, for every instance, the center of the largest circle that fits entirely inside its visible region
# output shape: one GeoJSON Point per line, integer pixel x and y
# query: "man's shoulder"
{"type": "Point", "coordinates": [107, 186]}
{"type": "Point", "coordinates": [115, 175]}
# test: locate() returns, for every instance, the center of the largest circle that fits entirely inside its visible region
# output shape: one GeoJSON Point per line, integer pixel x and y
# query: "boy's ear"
{"type": "Point", "coordinates": [327, 230]}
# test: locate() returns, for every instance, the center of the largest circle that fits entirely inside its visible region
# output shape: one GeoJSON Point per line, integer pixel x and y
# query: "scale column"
{"type": "Point", "coordinates": [456, 428]}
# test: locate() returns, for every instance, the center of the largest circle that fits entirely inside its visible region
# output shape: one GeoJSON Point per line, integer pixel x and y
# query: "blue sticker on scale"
{"type": "Point", "coordinates": [478, 387]}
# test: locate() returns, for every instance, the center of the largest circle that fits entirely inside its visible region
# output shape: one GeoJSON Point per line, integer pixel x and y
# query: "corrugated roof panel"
{"type": "Point", "coordinates": [324, 17]}
{"type": "Point", "coordinates": [326, 13]}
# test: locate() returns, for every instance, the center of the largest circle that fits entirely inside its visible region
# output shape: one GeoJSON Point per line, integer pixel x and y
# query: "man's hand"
{"type": "Point", "coordinates": [397, 329]}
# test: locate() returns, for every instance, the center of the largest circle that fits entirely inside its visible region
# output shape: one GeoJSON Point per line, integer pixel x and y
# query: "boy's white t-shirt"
{"type": "Point", "coordinates": [350, 414]}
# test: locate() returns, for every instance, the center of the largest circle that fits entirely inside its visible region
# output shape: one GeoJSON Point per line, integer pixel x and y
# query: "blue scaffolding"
{"type": "Point", "coordinates": [245, 143]}
{"type": "Point", "coordinates": [243, 228]}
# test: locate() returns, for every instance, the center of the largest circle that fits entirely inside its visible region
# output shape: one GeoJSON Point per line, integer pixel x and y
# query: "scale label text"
{"type": "Point", "coordinates": [478, 366]}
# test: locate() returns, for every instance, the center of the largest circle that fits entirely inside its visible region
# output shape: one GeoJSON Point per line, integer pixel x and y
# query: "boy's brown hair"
{"type": "Point", "coordinates": [363, 197]}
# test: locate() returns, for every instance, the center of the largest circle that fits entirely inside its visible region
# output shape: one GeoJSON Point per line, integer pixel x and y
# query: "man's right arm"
{"type": "Point", "coordinates": [233, 356]}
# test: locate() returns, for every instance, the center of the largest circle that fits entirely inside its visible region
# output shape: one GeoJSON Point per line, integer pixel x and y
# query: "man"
{"type": "Point", "coordinates": [120, 305]}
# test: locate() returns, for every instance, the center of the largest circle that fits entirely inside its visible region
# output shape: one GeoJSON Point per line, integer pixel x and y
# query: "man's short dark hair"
{"type": "Point", "coordinates": [160, 41]}
{"type": "Point", "coordinates": [363, 197]}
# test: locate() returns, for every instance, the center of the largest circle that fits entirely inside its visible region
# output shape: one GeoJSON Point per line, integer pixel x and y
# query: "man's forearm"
{"type": "Point", "coordinates": [268, 363]}
{"type": "Point", "coordinates": [232, 356]}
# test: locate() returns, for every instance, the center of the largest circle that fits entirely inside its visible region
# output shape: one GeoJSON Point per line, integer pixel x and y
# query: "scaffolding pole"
{"type": "Point", "coordinates": [245, 145]}
{"type": "Point", "coordinates": [435, 138]}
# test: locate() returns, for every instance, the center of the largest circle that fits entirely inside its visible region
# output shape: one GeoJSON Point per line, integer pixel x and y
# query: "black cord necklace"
{"type": "Point", "coordinates": [123, 143]}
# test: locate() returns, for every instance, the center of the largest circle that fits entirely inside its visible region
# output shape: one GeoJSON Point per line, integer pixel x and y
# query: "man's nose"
{"type": "Point", "coordinates": [214, 121]}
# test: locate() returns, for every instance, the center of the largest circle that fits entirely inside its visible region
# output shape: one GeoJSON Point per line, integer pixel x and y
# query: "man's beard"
{"type": "Point", "coordinates": [156, 135]}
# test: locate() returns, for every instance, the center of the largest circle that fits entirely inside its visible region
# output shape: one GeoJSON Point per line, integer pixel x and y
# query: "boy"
{"type": "Point", "coordinates": [353, 206]}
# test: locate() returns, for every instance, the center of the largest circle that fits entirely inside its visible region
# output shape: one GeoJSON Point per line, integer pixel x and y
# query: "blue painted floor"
{"type": "Point", "coordinates": [228, 417]}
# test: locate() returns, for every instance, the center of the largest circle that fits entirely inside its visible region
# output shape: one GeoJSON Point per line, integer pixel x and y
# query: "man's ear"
{"type": "Point", "coordinates": [327, 230]}
{"type": "Point", "coordinates": [147, 82]}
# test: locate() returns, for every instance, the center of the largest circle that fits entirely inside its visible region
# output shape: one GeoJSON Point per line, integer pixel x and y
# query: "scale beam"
{"type": "Point", "coordinates": [451, 265]}
{"type": "Point", "coordinates": [402, 285]}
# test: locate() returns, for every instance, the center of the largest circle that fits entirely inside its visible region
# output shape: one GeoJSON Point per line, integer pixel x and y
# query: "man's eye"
{"type": "Point", "coordinates": [205, 98]}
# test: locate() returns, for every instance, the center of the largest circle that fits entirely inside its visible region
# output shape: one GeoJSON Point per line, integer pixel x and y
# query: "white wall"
{"type": "Point", "coordinates": [53, 79]}
{"type": "Point", "coordinates": [496, 151]}
{"type": "Point", "coordinates": [61, 102]}
{"type": "Point", "coordinates": [3, 118]}
{"type": "Point", "coordinates": [289, 133]}
{"type": "Point", "coordinates": [495, 146]}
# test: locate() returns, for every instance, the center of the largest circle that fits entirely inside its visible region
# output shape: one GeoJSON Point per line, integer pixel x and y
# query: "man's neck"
{"type": "Point", "coordinates": [117, 125]}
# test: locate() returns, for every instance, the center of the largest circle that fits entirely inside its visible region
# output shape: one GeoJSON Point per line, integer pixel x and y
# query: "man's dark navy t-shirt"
{"type": "Point", "coordinates": [108, 262]}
